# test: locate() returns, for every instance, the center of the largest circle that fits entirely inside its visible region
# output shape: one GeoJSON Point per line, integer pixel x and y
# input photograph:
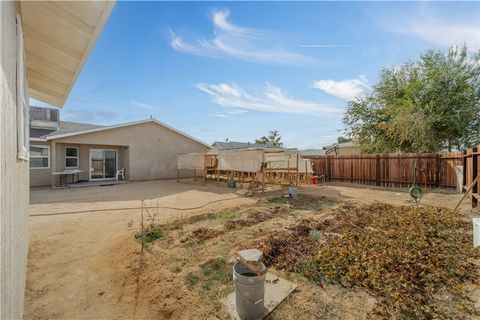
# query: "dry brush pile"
{"type": "Point", "coordinates": [416, 261]}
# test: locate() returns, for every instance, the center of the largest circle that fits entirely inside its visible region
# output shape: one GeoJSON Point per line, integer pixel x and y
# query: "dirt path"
{"type": "Point", "coordinates": [83, 266]}
{"type": "Point", "coordinates": [64, 278]}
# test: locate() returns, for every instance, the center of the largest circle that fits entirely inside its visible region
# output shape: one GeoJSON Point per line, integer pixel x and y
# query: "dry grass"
{"type": "Point", "coordinates": [187, 280]}
{"type": "Point", "coordinates": [415, 261]}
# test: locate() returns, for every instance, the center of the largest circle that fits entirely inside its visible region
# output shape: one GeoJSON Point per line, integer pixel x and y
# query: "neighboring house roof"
{"type": "Point", "coordinates": [312, 152]}
{"type": "Point", "coordinates": [75, 129]}
{"type": "Point", "coordinates": [225, 145]}
{"type": "Point", "coordinates": [39, 133]}
{"type": "Point", "coordinates": [342, 145]}
{"type": "Point", "coordinates": [64, 127]}
{"type": "Point", "coordinates": [58, 37]}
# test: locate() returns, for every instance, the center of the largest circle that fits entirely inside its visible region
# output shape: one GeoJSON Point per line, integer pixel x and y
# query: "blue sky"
{"type": "Point", "coordinates": [218, 70]}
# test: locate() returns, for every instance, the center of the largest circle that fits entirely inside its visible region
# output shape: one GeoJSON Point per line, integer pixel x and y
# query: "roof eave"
{"type": "Point", "coordinates": [41, 91]}
{"type": "Point", "coordinates": [38, 139]}
{"type": "Point", "coordinates": [65, 135]}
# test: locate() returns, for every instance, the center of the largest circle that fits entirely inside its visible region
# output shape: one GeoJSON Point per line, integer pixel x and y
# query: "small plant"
{"type": "Point", "coordinates": [152, 231]}
{"type": "Point", "coordinates": [279, 200]}
{"type": "Point", "coordinates": [152, 215]}
{"type": "Point", "coordinates": [192, 278]}
{"type": "Point", "coordinates": [150, 234]}
{"type": "Point", "coordinates": [314, 234]}
{"type": "Point", "coordinates": [228, 215]}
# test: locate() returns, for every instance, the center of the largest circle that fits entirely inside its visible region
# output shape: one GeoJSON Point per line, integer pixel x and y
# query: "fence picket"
{"type": "Point", "coordinates": [396, 170]}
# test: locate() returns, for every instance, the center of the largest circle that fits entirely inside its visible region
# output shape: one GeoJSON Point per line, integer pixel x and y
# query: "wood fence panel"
{"type": "Point", "coordinates": [448, 162]}
{"type": "Point", "coordinates": [391, 170]}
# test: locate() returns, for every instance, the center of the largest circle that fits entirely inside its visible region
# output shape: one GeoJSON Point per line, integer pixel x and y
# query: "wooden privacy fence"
{"type": "Point", "coordinates": [471, 168]}
{"type": "Point", "coordinates": [390, 170]}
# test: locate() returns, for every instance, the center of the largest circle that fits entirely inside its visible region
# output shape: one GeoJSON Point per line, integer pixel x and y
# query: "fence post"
{"type": "Point", "coordinates": [352, 159]}
{"type": "Point", "coordinates": [465, 168]}
{"type": "Point", "coordinates": [437, 175]}
{"type": "Point", "coordinates": [377, 170]}
{"type": "Point", "coordinates": [328, 171]}
{"type": "Point", "coordinates": [474, 175]}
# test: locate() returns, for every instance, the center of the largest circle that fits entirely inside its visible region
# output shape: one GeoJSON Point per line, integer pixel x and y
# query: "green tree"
{"type": "Point", "coordinates": [343, 139]}
{"type": "Point", "coordinates": [272, 138]}
{"type": "Point", "coordinates": [427, 106]}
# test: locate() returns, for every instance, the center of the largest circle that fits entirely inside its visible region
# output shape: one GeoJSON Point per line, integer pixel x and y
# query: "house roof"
{"type": "Point", "coordinates": [64, 127]}
{"type": "Point", "coordinates": [312, 152]}
{"type": "Point", "coordinates": [342, 145]}
{"type": "Point", "coordinates": [75, 129]}
{"type": "Point", "coordinates": [225, 145]}
{"type": "Point", "coordinates": [58, 38]}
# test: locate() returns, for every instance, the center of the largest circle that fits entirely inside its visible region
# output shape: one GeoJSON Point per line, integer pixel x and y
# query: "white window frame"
{"type": "Point", "coordinates": [41, 157]}
{"type": "Point", "coordinates": [70, 157]}
{"type": "Point", "coordinates": [23, 121]}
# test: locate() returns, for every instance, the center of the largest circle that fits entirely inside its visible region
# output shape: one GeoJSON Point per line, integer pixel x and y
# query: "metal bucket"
{"type": "Point", "coordinates": [293, 192]}
{"type": "Point", "coordinates": [249, 291]}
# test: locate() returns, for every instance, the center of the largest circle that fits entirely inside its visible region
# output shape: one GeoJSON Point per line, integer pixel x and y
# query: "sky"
{"type": "Point", "coordinates": [218, 70]}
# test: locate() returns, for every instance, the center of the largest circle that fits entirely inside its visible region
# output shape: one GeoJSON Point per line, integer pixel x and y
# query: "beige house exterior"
{"type": "Point", "coordinates": [343, 149]}
{"type": "Point", "coordinates": [43, 47]}
{"type": "Point", "coordinates": [146, 149]}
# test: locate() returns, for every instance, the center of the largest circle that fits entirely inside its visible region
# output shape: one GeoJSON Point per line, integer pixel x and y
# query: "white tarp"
{"type": "Point", "coordinates": [287, 160]}
{"type": "Point", "coordinates": [245, 160]}
{"type": "Point", "coordinates": [281, 160]}
{"type": "Point", "coordinates": [191, 161]}
{"type": "Point", "coordinates": [305, 164]}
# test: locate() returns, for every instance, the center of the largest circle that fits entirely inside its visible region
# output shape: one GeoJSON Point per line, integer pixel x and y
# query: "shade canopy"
{"type": "Point", "coordinates": [58, 37]}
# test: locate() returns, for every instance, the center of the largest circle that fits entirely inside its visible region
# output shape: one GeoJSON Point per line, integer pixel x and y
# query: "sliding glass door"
{"type": "Point", "coordinates": [103, 164]}
{"type": "Point", "coordinates": [110, 164]}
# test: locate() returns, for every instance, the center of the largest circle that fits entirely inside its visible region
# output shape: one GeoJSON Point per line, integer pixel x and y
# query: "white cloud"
{"type": "Point", "coordinates": [232, 41]}
{"type": "Point", "coordinates": [347, 90]}
{"type": "Point", "coordinates": [436, 30]}
{"type": "Point", "coordinates": [443, 33]}
{"type": "Point", "coordinates": [219, 115]}
{"type": "Point", "coordinates": [234, 111]}
{"type": "Point", "coordinates": [228, 113]}
{"type": "Point", "coordinates": [142, 105]}
{"type": "Point", "coordinates": [273, 99]}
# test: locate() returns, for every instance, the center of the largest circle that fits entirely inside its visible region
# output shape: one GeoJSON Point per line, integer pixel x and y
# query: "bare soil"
{"type": "Point", "coordinates": [84, 261]}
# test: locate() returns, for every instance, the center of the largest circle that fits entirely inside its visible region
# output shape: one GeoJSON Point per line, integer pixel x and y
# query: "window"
{"type": "Point", "coordinates": [71, 157]}
{"type": "Point", "coordinates": [22, 98]}
{"type": "Point", "coordinates": [40, 157]}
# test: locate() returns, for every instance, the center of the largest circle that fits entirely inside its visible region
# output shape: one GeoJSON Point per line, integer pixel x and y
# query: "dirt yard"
{"type": "Point", "coordinates": [85, 263]}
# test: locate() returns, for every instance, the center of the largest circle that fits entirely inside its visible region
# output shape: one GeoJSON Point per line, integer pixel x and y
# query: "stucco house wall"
{"type": "Point", "coordinates": [152, 148]}
{"type": "Point", "coordinates": [13, 176]}
{"type": "Point", "coordinates": [43, 176]}
{"type": "Point", "coordinates": [84, 157]}
{"type": "Point", "coordinates": [349, 151]}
